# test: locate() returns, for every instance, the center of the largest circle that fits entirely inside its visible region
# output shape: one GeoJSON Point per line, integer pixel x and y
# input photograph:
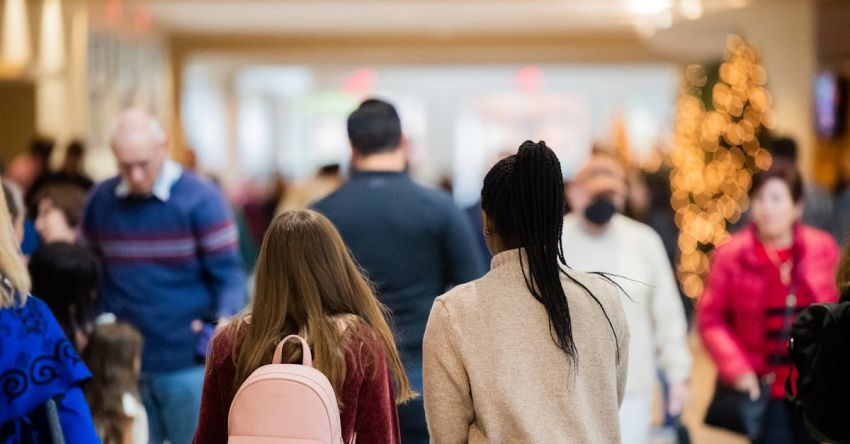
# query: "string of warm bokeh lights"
{"type": "Point", "coordinates": [715, 152]}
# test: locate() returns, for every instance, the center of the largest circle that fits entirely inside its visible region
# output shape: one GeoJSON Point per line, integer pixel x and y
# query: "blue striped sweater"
{"type": "Point", "coordinates": [166, 263]}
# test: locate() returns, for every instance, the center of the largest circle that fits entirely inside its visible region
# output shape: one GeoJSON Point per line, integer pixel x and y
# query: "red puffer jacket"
{"type": "Point", "coordinates": [733, 311]}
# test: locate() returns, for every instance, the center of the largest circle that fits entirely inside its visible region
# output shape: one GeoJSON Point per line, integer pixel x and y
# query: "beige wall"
{"type": "Point", "coordinates": [17, 117]}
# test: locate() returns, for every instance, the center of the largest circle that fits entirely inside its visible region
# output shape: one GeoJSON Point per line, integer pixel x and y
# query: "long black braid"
{"type": "Point", "coordinates": [524, 195]}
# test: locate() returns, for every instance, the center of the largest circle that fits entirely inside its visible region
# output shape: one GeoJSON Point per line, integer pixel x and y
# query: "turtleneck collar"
{"type": "Point", "coordinates": [508, 257]}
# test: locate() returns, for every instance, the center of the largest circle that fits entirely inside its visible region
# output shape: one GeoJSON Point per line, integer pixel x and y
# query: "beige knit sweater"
{"type": "Point", "coordinates": [492, 372]}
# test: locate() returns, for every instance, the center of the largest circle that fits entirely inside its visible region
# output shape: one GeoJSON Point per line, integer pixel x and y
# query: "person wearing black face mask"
{"type": "Point", "coordinates": [597, 237]}
{"type": "Point", "coordinates": [600, 211]}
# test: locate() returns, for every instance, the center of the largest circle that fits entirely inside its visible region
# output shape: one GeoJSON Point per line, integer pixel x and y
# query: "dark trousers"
{"type": "Point", "coordinates": [411, 418]}
{"type": "Point", "coordinates": [783, 426]}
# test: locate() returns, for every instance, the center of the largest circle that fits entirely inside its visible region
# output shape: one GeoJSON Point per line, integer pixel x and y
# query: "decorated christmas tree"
{"type": "Point", "coordinates": [720, 115]}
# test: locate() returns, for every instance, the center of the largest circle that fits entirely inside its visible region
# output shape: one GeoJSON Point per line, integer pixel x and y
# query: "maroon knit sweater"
{"type": "Point", "coordinates": [368, 398]}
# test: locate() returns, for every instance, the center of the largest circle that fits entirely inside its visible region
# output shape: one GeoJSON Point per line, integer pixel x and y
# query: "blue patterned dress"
{"type": "Point", "coordinates": [38, 362]}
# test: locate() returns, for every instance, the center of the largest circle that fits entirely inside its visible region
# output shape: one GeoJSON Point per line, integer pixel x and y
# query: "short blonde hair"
{"type": "Point", "coordinates": [12, 265]}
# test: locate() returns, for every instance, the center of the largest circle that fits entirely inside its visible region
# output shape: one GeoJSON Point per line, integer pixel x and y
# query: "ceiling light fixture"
{"type": "Point", "coordinates": [52, 48]}
{"type": "Point", "coordinates": [16, 34]}
{"type": "Point", "coordinates": [644, 26]}
{"type": "Point", "coordinates": [647, 7]}
{"type": "Point", "coordinates": [691, 9]}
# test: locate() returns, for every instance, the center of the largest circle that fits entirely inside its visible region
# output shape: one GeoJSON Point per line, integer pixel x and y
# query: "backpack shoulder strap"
{"type": "Point", "coordinates": [307, 357]}
{"type": "Point", "coordinates": [52, 411]}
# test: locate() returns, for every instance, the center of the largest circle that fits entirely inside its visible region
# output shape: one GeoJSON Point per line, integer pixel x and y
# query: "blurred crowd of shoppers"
{"type": "Point", "coordinates": [141, 330]}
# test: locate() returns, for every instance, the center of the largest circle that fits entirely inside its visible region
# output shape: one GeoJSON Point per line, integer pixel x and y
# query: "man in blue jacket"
{"type": "Point", "coordinates": [412, 241]}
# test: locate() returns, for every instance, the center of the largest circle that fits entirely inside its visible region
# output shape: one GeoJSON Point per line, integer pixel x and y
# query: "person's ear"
{"type": "Point", "coordinates": [575, 196]}
{"type": "Point", "coordinates": [404, 146]}
{"type": "Point", "coordinates": [488, 225]}
{"type": "Point", "coordinates": [165, 149]}
{"type": "Point", "coordinates": [353, 155]}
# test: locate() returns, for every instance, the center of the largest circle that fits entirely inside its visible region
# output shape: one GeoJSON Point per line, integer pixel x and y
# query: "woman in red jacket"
{"type": "Point", "coordinates": [307, 284]}
{"type": "Point", "coordinates": [759, 281]}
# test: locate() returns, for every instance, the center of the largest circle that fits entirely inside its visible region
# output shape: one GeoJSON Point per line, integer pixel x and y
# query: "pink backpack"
{"type": "Point", "coordinates": [285, 404]}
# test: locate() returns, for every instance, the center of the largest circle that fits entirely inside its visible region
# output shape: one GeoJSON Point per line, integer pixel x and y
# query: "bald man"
{"type": "Point", "coordinates": [168, 246]}
{"type": "Point", "coordinates": [597, 237]}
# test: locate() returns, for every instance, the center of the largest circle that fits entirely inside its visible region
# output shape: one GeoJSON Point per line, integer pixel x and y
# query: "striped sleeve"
{"type": "Point", "coordinates": [220, 237]}
{"type": "Point", "coordinates": [217, 239]}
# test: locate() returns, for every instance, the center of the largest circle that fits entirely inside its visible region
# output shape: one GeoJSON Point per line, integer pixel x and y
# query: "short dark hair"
{"type": "Point", "coordinates": [76, 149]}
{"type": "Point", "coordinates": [374, 127]}
{"type": "Point", "coordinates": [68, 198]}
{"type": "Point", "coordinates": [786, 172]}
{"type": "Point", "coordinates": [42, 147]}
{"type": "Point", "coordinates": [784, 148]}
{"type": "Point", "coordinates": [66, 276]}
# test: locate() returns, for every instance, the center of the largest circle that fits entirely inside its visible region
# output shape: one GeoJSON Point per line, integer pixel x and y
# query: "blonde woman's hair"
{"type": "Point", "coordinates": [308, 284]}
{"type": "Point", "coordinates": [12, 264]}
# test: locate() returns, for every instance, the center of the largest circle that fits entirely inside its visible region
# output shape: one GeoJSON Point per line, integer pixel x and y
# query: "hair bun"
{"type": "Point", "coordinates": [537, 158]}
{"type": "Point", "coordinates": [528, 148]}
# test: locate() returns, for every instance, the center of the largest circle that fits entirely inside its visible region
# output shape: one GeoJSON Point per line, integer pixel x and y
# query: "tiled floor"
{"type": "Point", "coordinates": [702, 385]}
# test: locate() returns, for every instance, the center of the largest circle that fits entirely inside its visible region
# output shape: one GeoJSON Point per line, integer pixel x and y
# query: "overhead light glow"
{"type": "Point", "coordinates": [16, 34]}
{"type": "Point", "coordinates": [664, 19]}
{"type": "Point", "coordinates": [52, 48]}
{"type": "Point", "coordinates": [530, 79]}
{"type": "Point", "coordinates": [691, 9]}
{"type": "Point", "coordinates": [647, 7]}
{"type": "Point", "coordinates": [142, 19]}
{"type": "Point", "coordinates": [114, 12]}
{"type": "Point", "coordinates": [644, 26]}
{"type": "Point", "coordinates": [361, 81]}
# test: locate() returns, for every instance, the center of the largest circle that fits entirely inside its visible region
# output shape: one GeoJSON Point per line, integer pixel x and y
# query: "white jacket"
{"type": "Point", "coordinates": [654, 314]}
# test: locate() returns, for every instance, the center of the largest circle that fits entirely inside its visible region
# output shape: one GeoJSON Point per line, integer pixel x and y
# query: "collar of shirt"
{"type": "Point", "coordinates": [377, 173]}
{"type": "Point", "coordinates": [170, 174]}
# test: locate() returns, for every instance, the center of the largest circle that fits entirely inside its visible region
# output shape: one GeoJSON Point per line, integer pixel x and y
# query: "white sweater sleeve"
{"type": "Point", "coordinates": [668, 315]}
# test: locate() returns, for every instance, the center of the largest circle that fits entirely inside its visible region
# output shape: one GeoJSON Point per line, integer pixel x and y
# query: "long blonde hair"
{"type": "Point", "coordinates": [308, 284]}
{"type": "Point", "coordinates": [12, 264]}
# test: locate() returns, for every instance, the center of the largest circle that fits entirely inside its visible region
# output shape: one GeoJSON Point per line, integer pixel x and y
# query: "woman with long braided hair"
{"type": "Point", "coordinates": [533, 351]}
